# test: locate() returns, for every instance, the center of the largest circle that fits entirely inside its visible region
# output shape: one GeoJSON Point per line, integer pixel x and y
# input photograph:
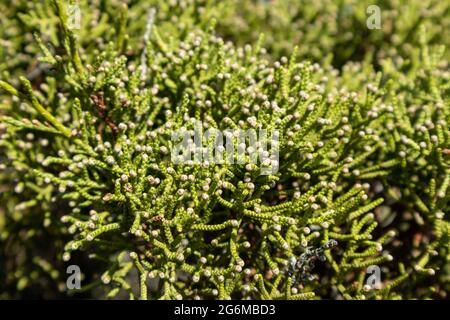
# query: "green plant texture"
{"type": "Point", "coordinates": [87, 117]}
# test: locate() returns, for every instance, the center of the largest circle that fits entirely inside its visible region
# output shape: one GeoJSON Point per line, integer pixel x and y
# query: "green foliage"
{"type": "Point", "coordinates": [86, 175]}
